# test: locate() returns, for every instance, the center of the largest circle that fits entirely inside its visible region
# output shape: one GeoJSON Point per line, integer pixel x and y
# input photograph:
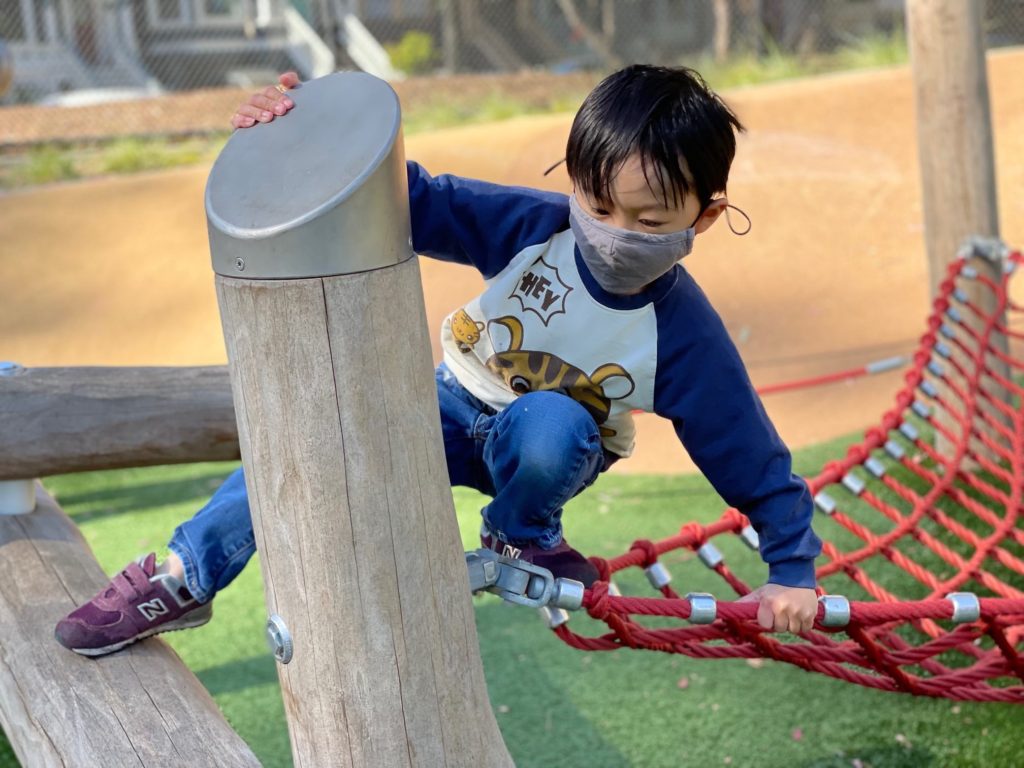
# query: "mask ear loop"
{"type": "Point", "coordinates": [549, 170]}
{"type": "Point", "coordinates": [742, 213]}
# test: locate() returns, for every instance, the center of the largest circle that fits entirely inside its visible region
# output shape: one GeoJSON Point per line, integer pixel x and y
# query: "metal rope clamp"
{"type": "Point", "coordinates": [520, 582]}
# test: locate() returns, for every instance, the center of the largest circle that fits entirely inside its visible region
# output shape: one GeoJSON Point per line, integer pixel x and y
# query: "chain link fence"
{"type": "Point", "coordinates": [74, 52]}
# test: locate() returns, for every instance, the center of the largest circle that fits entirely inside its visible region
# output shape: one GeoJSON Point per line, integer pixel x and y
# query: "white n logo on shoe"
{"type": "Point", "coordinates": [153, 608]}
{"type": "Point", "coordinates": [510, 551]}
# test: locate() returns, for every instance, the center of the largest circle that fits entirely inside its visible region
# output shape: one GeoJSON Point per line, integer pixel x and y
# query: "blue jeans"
{"type": "Point", "coordinates": [531, 458]}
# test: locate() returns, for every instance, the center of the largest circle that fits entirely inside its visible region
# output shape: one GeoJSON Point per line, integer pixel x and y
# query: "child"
{"type": "Point", "coordinates": [586, 317]}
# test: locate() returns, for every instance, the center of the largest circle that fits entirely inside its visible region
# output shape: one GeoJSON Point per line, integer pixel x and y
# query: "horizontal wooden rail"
{"type": "Point", "coordinates": [140, 706]}
{"type": "Point", "coordinates": [56, 420]}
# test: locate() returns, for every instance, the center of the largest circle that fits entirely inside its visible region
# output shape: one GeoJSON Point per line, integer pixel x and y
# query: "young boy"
{"type": "Point", "coordinates": [587, 316]}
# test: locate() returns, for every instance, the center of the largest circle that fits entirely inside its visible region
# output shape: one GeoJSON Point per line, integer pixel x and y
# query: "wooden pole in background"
{"type": "Point", "coordinates": [958, 181]}
{"type": "Point", "coordinates": [340, 438]}
{"type": "Point", "coordinates": [954, 126]}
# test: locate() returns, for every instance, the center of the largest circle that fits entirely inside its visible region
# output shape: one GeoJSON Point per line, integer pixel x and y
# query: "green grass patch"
{"type": "Point", "coordinates": [133, 155]}
{"type": "Point", "coordinates": [772, 65]}
{"type": "Point", "coordinates": [42, 165]}
{"type": "Point", "coordinates": [557, 706]}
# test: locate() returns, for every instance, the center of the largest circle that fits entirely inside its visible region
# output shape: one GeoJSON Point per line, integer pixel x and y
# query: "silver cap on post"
{"type": "Point", "coordinates": [319, 191]}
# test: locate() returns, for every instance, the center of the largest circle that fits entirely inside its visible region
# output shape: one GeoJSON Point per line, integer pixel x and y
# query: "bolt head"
{"type": "Point", "coordinates": [240, 264]}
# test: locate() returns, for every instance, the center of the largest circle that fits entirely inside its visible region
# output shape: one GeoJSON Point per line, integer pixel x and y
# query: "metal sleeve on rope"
{"type": "Point", "coordinates": [749, 537]}
{"type": "Point", "coordinates": [553, 617]}
{"type": "Point", "coordinates": [947, 331]}
{"type": "Point", "coordinates": [710, 555]}
{"type": "Point", "coordinates": [942, 349]}
{"type": "Point", "coordinates": [568, 594]}
{"type": "Point", "coordinates": [853, 484]}
{"type": "Point", "coordinates": [658, 575]}
{"type": "Point", "coordinates": [888, 364]}
{"type": "Point", "coordinates": [894, 449]}
{"type": "Point", "coordinates": [966, 607]}
{"type": "Point", "coordinates": [825, 503]}
{"type": "Point", "coordinates": [874, 466]}
{"type": "Point", "coordinates": [954, 314]}
{"type": "Point", "coordinates": [936, 369]}
{"type": "Point", "coordinates": [909, 431]}
{"type": "Point", "coordinates": [703, 608]}
{"type": "Point", "coordinates": [921, 409]}
{"type": "Point", "coordinates": [837, 610]}
{"type": "Point", "coordinates": [928, 388]}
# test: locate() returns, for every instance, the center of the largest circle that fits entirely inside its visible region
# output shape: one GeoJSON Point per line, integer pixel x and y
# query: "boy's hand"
{"type": "Point", "coordinates": [263, 105]}
{"type": "Point", "coordinates": [784, 609]}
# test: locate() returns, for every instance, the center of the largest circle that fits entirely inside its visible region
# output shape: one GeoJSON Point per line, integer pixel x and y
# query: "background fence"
{"type": "Point", "coordinates": [56, 49]}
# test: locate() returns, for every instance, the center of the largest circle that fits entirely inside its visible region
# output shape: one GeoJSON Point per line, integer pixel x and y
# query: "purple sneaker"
{"type": "Point", "coordinates": [137, 603]}
{"type": "Point", "coordinates": [563, 561]}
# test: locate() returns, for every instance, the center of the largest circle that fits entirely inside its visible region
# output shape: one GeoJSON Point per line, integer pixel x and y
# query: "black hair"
{"type": "Point", "coordinates": [681, 129]}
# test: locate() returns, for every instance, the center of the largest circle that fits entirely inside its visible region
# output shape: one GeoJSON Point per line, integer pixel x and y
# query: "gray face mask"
{"type": "Point", "coordinates": [623, 261]}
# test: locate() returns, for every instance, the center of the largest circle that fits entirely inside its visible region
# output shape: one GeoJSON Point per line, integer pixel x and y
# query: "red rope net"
{"type": "Point", "coordinates": [926, 505]}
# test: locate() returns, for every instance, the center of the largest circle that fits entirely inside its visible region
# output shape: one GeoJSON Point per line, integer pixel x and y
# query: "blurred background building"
{"type": "Point", "coordinates": [67, 51]}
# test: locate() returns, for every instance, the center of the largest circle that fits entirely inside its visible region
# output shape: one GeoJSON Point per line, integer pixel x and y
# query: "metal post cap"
{"type": "Point", "coordinates": [321, 190]}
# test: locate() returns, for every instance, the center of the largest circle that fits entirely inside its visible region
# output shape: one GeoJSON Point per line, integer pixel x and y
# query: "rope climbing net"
{"type": "Point", "coordinates": [924, 555]}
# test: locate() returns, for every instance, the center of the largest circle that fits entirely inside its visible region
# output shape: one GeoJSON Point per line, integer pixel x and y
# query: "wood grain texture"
{"type": "Point", "coordinates": [954, 126]}
{"type": "Point", "coordinates": [58, 420]}
{"type": "Point", "coordinates": [139, 707]}
{"type": "Point", "coordinates": [958, 179]}
{"type": "Point", "coordinates": [360, 549]}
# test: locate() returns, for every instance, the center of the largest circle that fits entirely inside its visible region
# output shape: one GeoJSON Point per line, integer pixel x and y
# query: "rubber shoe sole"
{"type": "Point", "coordinates": [195, 618]}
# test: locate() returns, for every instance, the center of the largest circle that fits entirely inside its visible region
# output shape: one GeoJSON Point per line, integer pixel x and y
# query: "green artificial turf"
{"type": "Point", "coordinates": [558, 707]}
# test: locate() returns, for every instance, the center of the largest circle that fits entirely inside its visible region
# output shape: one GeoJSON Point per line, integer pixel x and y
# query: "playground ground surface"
{"type": "Point", "coordinates": [116, 271]}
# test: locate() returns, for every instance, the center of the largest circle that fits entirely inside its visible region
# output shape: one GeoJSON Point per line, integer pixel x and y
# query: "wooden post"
{"type": "Point", "coordinates": [331, 371]}
{"type": "Point", "coordinates": [954, 129]}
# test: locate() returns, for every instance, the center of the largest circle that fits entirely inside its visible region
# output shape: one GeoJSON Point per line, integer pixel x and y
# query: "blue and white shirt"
{"type": "Point", "coordinates": [543, 323]}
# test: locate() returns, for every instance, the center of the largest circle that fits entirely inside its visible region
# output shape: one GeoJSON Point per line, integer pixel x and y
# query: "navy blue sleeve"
{"type": "Point", "coordinates": [703, 387]}
{"type": "Point", "coordinates": [478, 223]}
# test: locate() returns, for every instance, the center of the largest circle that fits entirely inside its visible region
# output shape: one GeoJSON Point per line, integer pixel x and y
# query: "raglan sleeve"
{"type": "Point", "coordinates": [702, 386]}
{"type": "Point", "coordinates": [478, 223]}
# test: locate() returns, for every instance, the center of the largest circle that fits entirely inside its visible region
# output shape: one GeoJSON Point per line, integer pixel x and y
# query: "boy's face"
{"type": "Point", "coordinates": [639, 205]}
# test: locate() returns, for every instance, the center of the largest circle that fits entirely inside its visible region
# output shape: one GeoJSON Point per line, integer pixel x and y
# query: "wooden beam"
{"type": "Point", "coordinates": [140, 707]}
{"type": "Point", "coordinates": [58, 420]}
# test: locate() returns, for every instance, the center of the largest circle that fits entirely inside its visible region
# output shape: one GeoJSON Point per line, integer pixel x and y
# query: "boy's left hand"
{"type": "Point", "coordinates": [784, 609]}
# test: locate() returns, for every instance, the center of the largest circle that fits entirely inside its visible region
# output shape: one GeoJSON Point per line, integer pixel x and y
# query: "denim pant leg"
{"type": "Point", "coordinates": [540, 451]}
{"type": "Point", "coordinates": [218, 541]}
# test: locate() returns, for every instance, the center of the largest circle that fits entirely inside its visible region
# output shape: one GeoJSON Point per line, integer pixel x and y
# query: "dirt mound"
{"type": "Point", "coordinates": [117, 271]}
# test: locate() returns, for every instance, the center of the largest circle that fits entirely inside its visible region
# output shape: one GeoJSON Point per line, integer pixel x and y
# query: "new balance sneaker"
{"type": "Point", "coordinates": [563, 561]}
{"type": "Point", "coordinates": [137, 603]}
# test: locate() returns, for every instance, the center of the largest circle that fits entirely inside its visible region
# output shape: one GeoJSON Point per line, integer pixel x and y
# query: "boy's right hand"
{"type": "Point", "coordinates": [264, 105]}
